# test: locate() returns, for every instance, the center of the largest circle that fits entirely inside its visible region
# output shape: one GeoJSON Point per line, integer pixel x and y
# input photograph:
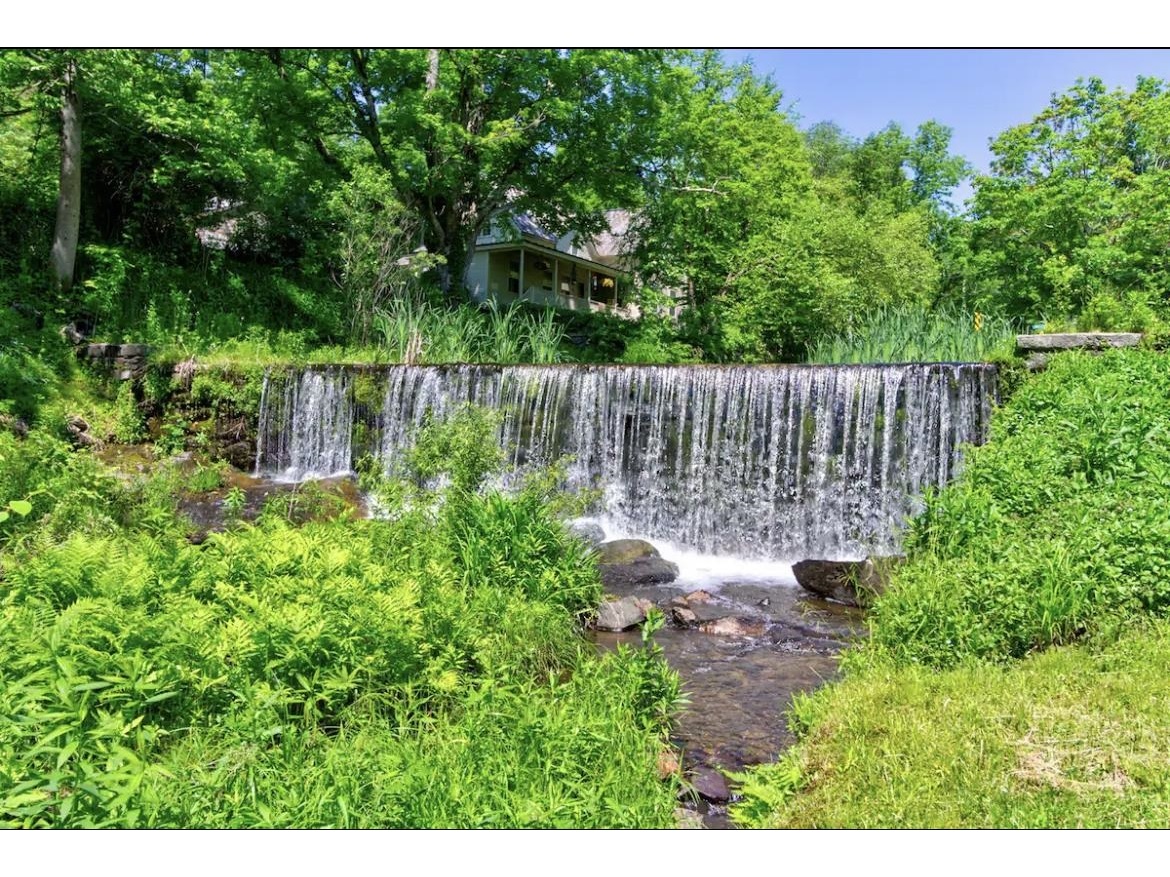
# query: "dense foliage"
{"type": "Point", "coordinates": [229, 192]}
{"type": "Point", "coordinates": [1056, 527]}
{"type": "Point", "coordinates": [425, 671]}
{"type": "Point", "coordinates": [1075, 210]}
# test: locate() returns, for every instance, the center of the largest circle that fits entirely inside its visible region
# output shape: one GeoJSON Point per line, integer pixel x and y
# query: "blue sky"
{"type": "Point", "coordinates": [977, 92]}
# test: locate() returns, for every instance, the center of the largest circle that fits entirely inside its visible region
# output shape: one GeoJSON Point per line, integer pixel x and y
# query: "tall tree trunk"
{"type": "Point", "coordinates": [432, 69]}
{"type": "Point", "coordinates": [64, 252]}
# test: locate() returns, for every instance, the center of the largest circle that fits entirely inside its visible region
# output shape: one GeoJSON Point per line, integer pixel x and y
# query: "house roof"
{"type": "Point", "coordinates": [525, 224]}
{"type": "Point", "coordinates": [608, 246]}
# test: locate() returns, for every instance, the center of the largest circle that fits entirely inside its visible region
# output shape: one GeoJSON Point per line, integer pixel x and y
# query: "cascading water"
{"type": "Point", "coordinates": [778, 462]}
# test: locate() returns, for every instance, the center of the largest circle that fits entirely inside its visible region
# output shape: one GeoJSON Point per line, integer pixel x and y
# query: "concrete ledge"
{"type": "Point", "coordinates": [1076, 341]}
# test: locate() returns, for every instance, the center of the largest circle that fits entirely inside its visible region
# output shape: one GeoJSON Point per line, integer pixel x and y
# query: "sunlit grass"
{"type": "Point", "coordinates": [1073, 737]}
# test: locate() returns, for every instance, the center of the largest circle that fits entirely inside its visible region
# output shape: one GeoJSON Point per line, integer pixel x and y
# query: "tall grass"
{"type": "Point", "coordinates": [915, 334]}
{"type": "Point", "coordinates": [410, 330]}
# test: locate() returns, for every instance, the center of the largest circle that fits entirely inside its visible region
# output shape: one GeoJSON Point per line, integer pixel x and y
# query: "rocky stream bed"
{"type": "Point", "coordinates": [744, 638]}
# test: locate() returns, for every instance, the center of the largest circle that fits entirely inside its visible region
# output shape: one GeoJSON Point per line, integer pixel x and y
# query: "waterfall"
{"type": "Point", "coordinates": [780, 462]}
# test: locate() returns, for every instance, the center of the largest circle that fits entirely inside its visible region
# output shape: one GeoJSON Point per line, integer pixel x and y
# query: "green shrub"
{"type": "Point", "coordinates": [1017, 666]}
{"type": "Point", "coordinates": [1055, 529]}
{"type": "Point", "coordinates": [463, 448]}
{"type": "Point", "coordinates": [1122, 312]}
{"type": "Point", "coordinates": [30, 366]}
{"type": "Point", "coordinates": [129, 426]}
{"type": "Point", "coordinates": [69, 491]}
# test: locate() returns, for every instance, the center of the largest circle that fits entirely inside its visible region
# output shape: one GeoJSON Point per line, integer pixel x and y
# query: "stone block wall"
{"type": "Point", "coordinates": [124, 362]}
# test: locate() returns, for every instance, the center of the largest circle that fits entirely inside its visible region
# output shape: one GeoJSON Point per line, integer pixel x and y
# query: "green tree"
{"type": "Point", "coordinates": [729, 165]}
{"type": "Point", "coordinates": [463, 134]}
{"type": "Point", "coordinates": [47, 83]}
{"type": "Point", "coordinates": [830, 149]}
{"type": "Point", "coordinates": [1077, 203]}
{"type": "Point", "coordinates": [776, 236]}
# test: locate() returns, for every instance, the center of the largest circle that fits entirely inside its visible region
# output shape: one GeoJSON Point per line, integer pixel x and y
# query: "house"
{"type": "Point", "coordinates": [517, 260]}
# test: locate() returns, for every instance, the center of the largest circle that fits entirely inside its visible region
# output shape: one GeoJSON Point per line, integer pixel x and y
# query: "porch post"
{"type": "Point", "coordinates": [522, 286]}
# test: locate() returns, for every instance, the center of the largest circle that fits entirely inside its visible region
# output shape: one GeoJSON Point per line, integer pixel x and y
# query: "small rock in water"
{"type": "Point", "coordinates": [698, 597]}
{"type": "Point", "coordinates": [852, 582]}
{"type": "Point", "coordinates": [624, 551]}
{"type": "Point", "coordinates": [684, 818]}
{"type": "Point", "coordinates": [710, 784]}
{"type": "Point", "coordinates": [587, 531]}
{"type": "Point", "coordinates": [683, 616]}
{"type": "Point", "coordinates": [733, 627]}
{"type": "Point", "coordinates": [615, 615]}
{"type": "Point", "coordinates": [626, 563]}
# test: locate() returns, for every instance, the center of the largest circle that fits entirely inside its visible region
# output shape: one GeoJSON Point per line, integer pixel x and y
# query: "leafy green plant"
{"type": "Point", "coordinates": [916, 334]}
{"type": "Point", "coordinates": [205, 478]}
{"type": "Point", "coordinates": [463, 447]}
{"type": "Point", "coordinates": [15, 507]}
{"type": "Point", "coordinates": [172, 437]}
{"type": "Point", "coordinates": [129, 426]}
{"type": "Point", "coordinates": [233, 502]}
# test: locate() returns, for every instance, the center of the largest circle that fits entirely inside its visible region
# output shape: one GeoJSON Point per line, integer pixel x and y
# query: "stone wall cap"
{"type": "Point", "coordinates": [1077, 341]}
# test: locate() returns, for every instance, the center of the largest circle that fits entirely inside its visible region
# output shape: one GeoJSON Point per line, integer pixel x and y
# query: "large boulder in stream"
{"type": "Point", "coordinates": [626, 563]}
{"type": "Point", "coordinates": [852, 582]}
{"type": "Point", "coordinates": [711, 784]}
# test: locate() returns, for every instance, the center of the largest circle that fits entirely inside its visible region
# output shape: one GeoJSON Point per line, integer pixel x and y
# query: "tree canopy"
{"type": "Point", "coordinates": [1077, 203]}
{"type": "Point", "coordinates": [772, 234]}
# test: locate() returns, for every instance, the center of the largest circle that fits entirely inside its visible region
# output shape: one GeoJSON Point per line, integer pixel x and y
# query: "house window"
{"type": "Point", "coordinates": [514, 276]}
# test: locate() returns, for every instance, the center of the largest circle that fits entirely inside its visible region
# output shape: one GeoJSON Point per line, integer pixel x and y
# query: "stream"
{"type": "Point", "coordinates": [740, 680]}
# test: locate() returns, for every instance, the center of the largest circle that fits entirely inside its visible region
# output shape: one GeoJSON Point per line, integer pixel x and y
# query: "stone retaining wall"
{"type": "Point", "coordinates": [124, 362]}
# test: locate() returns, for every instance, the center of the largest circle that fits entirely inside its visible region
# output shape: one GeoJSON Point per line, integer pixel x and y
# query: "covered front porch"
{"type": "Point", "coordinates": [550, 278]}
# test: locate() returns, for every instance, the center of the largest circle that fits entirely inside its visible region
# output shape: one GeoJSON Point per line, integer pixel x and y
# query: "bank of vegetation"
{"type": "Point", "coordinates": [424, 670]}
{"type": "Point", "coordinates": [1015, 673]}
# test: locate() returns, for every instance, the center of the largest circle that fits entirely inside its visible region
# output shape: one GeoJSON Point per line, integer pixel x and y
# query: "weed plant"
{"type": "Point", "coordinates": [411, 330]}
